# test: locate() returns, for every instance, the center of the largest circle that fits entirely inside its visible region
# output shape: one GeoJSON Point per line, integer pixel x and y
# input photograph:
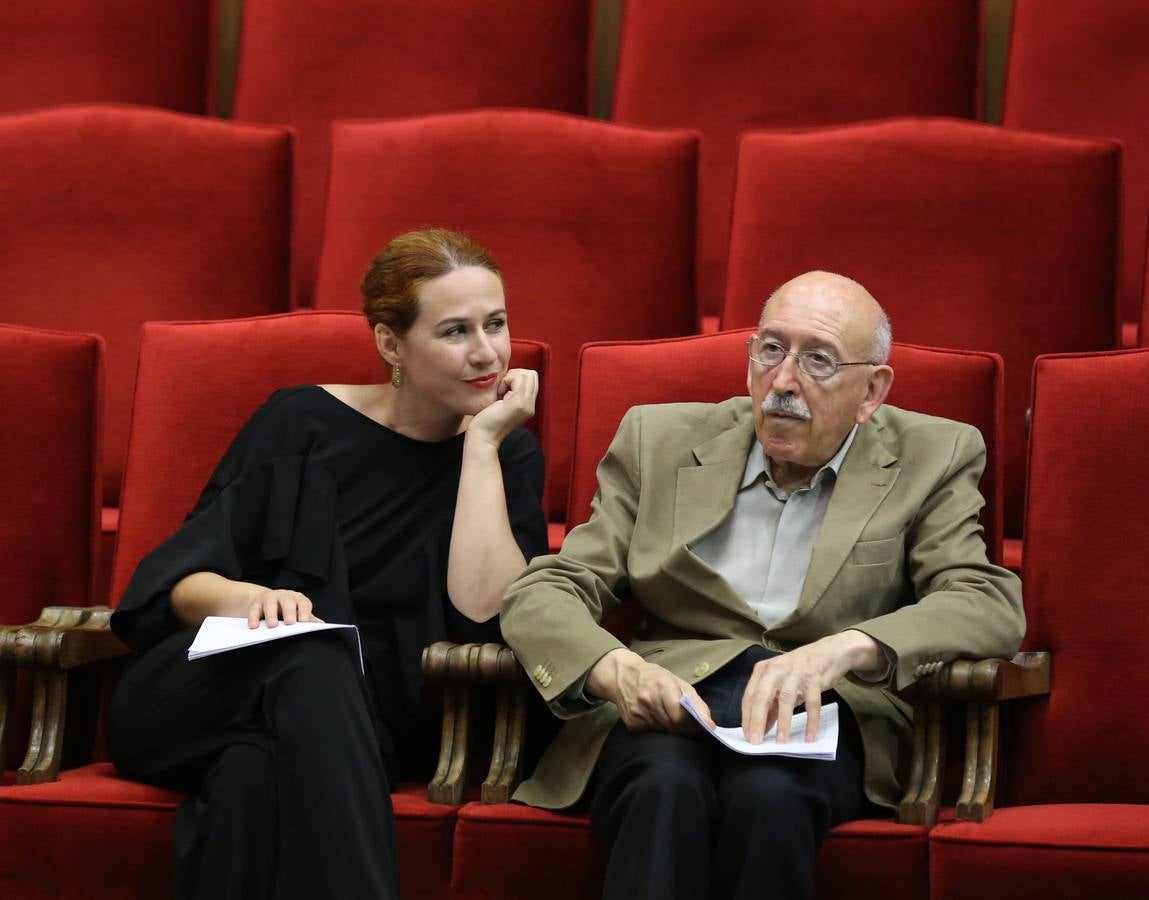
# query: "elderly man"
{"type": "Point", "coordinates": [801, 546]}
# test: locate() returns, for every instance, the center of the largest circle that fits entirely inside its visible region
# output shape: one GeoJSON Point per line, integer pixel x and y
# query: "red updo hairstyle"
{"type": "Point", "coordinates": [391, 286]}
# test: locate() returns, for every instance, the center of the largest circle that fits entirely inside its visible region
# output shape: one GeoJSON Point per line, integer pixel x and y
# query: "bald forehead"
{"type": "Point", "coordinates": [827, 300]}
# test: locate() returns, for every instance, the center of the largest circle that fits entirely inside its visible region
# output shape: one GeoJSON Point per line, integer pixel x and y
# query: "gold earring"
{"type": "Point", "coordinates": [396, 376]}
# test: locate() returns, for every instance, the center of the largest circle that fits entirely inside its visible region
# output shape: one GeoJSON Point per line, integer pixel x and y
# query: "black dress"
{"type": "Point", "coordinates": [288, 749]}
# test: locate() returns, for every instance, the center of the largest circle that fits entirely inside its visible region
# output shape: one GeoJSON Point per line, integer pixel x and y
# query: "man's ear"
{"type": "Point", "coordinates": [877, 388]}
{"type": "Point", "coordinates": [387, 343]}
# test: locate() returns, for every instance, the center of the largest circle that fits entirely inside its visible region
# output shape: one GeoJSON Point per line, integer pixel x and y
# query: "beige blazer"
{"type": "Point", "coordinates": [899, 556]}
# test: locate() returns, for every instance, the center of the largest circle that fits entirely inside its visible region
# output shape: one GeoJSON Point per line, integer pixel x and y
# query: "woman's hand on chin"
{"type": "Point", "coordinates": [515, 405]}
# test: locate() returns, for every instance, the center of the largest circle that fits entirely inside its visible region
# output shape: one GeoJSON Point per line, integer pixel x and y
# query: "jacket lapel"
{"type": "Point", "coordinates": [704, 497]}
{"type": "Point", "coordinates": [866, 477]}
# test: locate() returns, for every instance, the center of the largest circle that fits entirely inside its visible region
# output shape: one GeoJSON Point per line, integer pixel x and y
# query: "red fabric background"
{"type": "Point", "coordinates": [970, 236]}
{"type": "Point", "coordinates": [613, 376]}
{"type": "Point", "coordinates": [215, 375]}
{"type": "Point", "coordinates": [307, 64]}
{"type": "Point", "coordinates": [1079, 68]}
{"type": "Point", "coordinates": [592, 225]}
{"type": "Point", "coordinates": [728, 67]}
{"type": "Point", "coordinates": [117, 215]}
{"type": "Point", "coordinates": [80, 51]}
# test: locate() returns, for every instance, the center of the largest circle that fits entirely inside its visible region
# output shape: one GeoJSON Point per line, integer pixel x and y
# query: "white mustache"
{"type": "Point", "coordinates": [787, 405]}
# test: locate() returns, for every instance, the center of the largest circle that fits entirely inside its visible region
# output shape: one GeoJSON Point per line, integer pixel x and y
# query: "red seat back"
{"type": "Point", "coordinates": [116, 215]}
{"type": "Point", "coordinates": [309, 63]}
{"type": "Point", "coordinates": [87, 51]}
{"type": "Point", "coordinates": [1086, 530]}
{"type": "Point", "coordinates": [966, 386]}
{"type": "Point", "coordinates": [592, 225]}
{"type": "Point", "coordinates": [49, 475]}
{"type": "Point", "coordinates": [50, 393]}
{"type": "Point", "coordinates": [1077, 68]}
{"type": "Point", "coordinates": [728, 67]}
{"type": "Point", "coordinates": [200, 381]}
{"type": "Point", "coordinates": [970, 236]}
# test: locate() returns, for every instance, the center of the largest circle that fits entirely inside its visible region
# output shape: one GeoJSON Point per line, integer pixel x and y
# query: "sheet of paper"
{"type": "Point", "coordinates": [218, 634]}
{"type": "Point", "coordinates": [824, 745]}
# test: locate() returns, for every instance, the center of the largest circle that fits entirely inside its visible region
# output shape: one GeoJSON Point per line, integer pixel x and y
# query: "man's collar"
{"type": "Point", "coordinates": [758, 464]}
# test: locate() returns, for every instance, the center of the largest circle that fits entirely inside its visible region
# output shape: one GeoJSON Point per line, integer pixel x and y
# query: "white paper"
{"type": "Point", "coordinates": [824, 745]}
{"type": "Point", "coordinates": [218, 634]}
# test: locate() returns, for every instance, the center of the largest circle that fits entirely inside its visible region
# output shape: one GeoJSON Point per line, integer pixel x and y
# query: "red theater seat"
{"type": "Point", "coordinates": [309, 63]}
{"type": "Point", "coordinates": [1080, 68]}
{"type": "Point", "coordinates": [591, 223]}
{"type": "Point", "coordinates": [728, 67]}
{"type": "Point", "coordinates": [613, 376]}
{"type": "Point", "coordinates": [970, 236]}
{"type": "Point", "coordinates": [114, 216]}
{"type": "Point", "coordinates": [50, 387]}
{"type": "Point", "coordinates": [89, 51]}
{"type": "Point", "coordinates": [212, 375]}
{"type": "Point", "coordinates": [1073, 810]}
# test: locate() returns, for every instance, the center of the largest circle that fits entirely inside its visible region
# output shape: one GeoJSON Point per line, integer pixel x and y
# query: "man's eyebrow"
{"type": "Point", "coordinates": [814, 343]}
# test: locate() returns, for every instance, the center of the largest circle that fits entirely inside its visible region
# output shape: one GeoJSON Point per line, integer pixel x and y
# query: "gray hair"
{"type": "Point", "coordinates": [883, 338]}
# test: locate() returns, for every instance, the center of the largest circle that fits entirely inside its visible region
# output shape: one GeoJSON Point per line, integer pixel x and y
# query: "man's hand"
{"type": "Point", "coordinates": [781, 683]}
{"type": "Point", "coordinates": [646, 695]}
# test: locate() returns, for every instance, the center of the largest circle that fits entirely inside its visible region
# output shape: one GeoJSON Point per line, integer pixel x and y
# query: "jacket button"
{"type": "Point", "coordinates": [701, 669]}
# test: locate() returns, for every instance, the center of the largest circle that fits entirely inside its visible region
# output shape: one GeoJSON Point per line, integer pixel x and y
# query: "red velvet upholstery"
{"type": "Point", "coordinates": [613, 376]}
{"type": "Point", "coordinates": [117, 215]}
{"type": "Point", "coordinates": [50, 395]}
{"type": "Point", "coordinates": [505, 851]}
{"type": "Point", "coordinates": [1073, 816]}
{"type": "Point", "coordinates": [310, 62]}
{"type": "Point", "coordinates": [724, 68]}
{"type": "Point", "coordinates": [1079, 68]}
{"type": "Point", "coordinates": [49, 475]}
{"type": "Point", "coordinates": [970, 236]}
{"type": "Point", "coordinates": [591, 223]}
{"type": "Point", "coordinates": [85, 51]}
{"type": "Point", "coordinates": [93, 835]}
{"type": "Point", "coordinates": [198, 382]}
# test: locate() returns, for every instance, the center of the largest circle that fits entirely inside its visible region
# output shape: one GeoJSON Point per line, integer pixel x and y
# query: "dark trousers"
{"type": "Point", "coordinates": [278, 746]}
{"type": "Point", "coordinates": [686, 817]}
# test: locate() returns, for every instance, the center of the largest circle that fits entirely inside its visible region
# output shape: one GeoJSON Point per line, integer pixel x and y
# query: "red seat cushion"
{"type": "Point", "coordinates": [1081, 850]}
{"type": "Point", "coordinates": [508, 851]}
{"type": "Point", "coordinates": [92, 834]}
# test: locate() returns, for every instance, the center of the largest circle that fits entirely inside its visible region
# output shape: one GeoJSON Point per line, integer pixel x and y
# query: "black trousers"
{"type": "Point", "coordinates": [278, 747]}
{"type": "Point", "coordinates": [686, 817]}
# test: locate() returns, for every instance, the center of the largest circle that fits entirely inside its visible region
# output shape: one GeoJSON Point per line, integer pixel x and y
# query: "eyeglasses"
{"type": "Point", "coordinates": [768, 353]}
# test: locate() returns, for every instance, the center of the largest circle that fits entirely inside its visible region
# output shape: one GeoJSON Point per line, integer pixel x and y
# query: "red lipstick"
{"type": "Point", "coordinates": [484, 382]}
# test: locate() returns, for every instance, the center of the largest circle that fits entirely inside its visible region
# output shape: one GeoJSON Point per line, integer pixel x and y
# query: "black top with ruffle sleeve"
{"type": "Point", "coordinates": [316, 497]}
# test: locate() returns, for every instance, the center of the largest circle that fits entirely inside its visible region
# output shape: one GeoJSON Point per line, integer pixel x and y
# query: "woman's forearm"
{"type": "Point", "coordinates": [484, 557]}
{"type": "Point", "coordinates": [203, 594]}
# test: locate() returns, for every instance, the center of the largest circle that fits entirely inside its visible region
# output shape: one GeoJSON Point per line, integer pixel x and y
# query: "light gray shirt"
{"type": "Point", "coordinates": [763, 547]}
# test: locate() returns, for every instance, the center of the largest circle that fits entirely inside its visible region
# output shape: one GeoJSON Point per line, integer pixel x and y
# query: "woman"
{"type": "Point", "coordinates": [405, 507]}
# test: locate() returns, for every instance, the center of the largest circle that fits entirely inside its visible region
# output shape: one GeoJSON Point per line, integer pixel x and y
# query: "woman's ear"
{"type": "Point", "coordinates": [387, 343]}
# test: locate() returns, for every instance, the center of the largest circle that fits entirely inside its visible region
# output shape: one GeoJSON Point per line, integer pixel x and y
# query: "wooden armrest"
{"type": "Point", "coordinates": [457, 667]}
{"type": "Point", "coordinates": [61, 639]}
{"type": "Point", "coordinates": [981, 685]}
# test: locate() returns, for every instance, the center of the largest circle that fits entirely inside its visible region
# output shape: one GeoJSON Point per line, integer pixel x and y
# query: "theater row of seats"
{"type": "Point", "coordinates": [720, 69]}
{"type": "Point", "coordinates": [1072, 814]}
{"type": "Point", "coordinates": [972, 236]}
